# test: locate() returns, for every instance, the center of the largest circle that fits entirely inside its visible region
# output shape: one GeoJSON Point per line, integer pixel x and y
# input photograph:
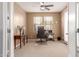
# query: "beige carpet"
{"type": "Point", "coordinates": [49, 49]}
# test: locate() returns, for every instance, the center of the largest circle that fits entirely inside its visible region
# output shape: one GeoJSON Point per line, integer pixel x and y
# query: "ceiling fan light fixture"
{"type": "Point", "coordinates": [42, 8]}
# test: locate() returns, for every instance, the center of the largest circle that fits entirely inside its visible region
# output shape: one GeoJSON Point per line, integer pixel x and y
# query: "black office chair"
{"type": "Point", "coordinates": [41, 33]}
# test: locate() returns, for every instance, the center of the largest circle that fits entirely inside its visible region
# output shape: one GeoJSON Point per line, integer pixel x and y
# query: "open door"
{"type": "Point", "coordinates": [66, 27]}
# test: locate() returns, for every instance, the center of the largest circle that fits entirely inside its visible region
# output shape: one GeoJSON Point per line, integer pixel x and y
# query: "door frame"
{"type": "Point", "coordinates": [72, 51]}
{"type": "Point", "coordinates": [11, 5]}
{"type": "Point", "coordinates": [72, 29]}
{"type": "Point", "coordinates": [77, 26]}
{"type": "Point", "coordinates": [4, 29]}
{"type": "Point", "coordinates": [5, 18]}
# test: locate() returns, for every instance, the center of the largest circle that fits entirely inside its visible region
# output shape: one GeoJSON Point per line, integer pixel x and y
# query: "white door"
{"type": "Point", "coordinates": [66, 26]}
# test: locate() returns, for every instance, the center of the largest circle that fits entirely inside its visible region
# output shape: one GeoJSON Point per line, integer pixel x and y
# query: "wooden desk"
{"type": "Point", "coordinates": [15, 38]}
{"type": "Point", "coordinates": [21, 38]}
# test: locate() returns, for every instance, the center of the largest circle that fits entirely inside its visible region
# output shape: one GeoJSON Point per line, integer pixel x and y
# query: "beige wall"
{"type": "Point", "coordinates": [19, 17]}
{"type": "Point", "coordinates": [62, 21]}
{"type": "Point", "coordinates": [56, 23]}
{"type": "Point", "coordinates": [23, 19]}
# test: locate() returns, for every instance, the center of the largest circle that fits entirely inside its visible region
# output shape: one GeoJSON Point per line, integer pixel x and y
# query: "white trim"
{"type": "Point", "coordinates": [11, 4]}
{"type": "Point", "coordinates": [77, 25]}
{"type": "Point", "coordinates": [4, 29]}
{"type": "Point", "coordinates": [72, 30]}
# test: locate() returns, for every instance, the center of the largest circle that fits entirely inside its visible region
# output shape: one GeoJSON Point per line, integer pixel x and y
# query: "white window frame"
{"type": "Point", "coordinates": [51, 25]}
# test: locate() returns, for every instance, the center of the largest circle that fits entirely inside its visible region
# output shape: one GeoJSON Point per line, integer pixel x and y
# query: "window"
{"type": "Point", "coordinates": [48, 22]}
{"type": "Point", "coordinates": [37, 22]}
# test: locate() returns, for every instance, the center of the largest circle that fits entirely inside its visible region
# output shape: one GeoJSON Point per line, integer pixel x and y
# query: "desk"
{"type": "Point", "coordinates": [17, 37]}
{"type": "Point", "coordinates": [23, 39]}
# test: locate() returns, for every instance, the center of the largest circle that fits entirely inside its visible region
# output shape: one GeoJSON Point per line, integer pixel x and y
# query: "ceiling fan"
{"type": "Point", "coordinates": [43, 6]}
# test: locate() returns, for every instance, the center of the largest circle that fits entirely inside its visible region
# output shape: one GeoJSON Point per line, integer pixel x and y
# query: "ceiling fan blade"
{"type": "Point", "coordinates": [49, 5]}
{"type": "Point", "coordinates": [47, 8]}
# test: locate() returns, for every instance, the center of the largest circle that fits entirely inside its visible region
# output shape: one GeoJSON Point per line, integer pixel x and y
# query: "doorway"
{"type": "Point", "coordinates": [12, 34]}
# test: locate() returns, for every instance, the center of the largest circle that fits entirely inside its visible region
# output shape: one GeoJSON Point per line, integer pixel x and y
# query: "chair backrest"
{"type": "Point", "coordinates": [41, 32]}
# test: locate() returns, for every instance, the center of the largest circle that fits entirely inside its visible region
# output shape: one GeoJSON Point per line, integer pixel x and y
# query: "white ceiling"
{"type": "Point", "coordinates": [35, 6]}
